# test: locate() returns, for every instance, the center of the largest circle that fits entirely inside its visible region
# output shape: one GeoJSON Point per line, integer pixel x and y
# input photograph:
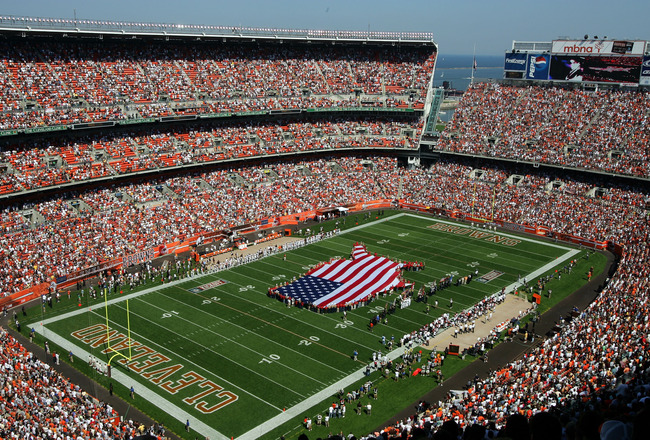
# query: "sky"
{"type": "Point", "coordinates": [458, 26]}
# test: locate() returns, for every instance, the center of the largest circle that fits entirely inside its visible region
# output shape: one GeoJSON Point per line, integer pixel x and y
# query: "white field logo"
{"type": "Point", "coordinates": [207, 286]}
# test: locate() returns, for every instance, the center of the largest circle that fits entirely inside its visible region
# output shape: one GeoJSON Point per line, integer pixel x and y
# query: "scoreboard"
{"type": "Point", "coordinates": [604, 61]}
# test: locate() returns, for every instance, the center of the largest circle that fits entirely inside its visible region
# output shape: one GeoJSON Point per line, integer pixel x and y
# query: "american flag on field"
{"type": "Point", "coordinates": [341, 282]}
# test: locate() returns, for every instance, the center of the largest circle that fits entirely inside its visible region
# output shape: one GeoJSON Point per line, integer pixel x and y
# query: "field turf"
{"type": "Point", "coordinates": [237, 363]}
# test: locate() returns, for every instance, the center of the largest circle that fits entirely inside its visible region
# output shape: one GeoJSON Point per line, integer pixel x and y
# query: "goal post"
{"type": "Point", "coordinates": [109, 347]}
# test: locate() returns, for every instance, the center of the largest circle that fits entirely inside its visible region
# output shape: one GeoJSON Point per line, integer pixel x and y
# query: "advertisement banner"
{"type": "Point", "coordinates": [598, 47]}
{"type": "Point", "coordinates": [645, 72]}
{"type": "Point", "coordinates": [138, 257]}
{"type": "Point", "coordinates": [23, 296]}
{"type": "Point", "coordinates": [537, 66]}
{"type": "Point", "coordinates": [613, 69]}
{"type": "Point", "coordinates": [515, 62]}
{"type": "Point", "coordinates": [46, 129]}
{"type": "Point", "coordinates": [90, 271]}
{"type": "Point", "coordinates": [136, 121]}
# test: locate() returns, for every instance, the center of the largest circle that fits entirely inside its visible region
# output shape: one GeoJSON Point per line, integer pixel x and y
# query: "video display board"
{"type": "Point", "coordinates": [616, 69]}
{"type": "Point", "coordinates": [645, 72]}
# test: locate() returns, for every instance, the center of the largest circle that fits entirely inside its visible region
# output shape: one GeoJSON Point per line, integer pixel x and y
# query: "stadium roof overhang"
{"type": "Point", "coordinates": [25, 26]}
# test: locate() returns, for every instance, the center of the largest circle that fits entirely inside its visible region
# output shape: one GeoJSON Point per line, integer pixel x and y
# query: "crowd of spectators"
{"type": "Point", "coordinates": [39, 402]}
{"type": "Point", "coordinates": [62, 235]}
{"type": "Point", "coordinates": [603, 351]}
{"type": "Point", "coordinates": [591, 377]}
{"type": "Point", "coordinates": [595, 369]}
{"type": "Point", "coordinates": [596, 130]}
{"type": "Point", "coordinates": [534, 200]}
{"type": "Point", "coordinates": [41, 163]}
{"type": "Point", "coordinates": [58, 82]}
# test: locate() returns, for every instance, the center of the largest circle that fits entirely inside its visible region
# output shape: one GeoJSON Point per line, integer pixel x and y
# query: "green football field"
{"type": "Point", "coordinates": [217, 351]}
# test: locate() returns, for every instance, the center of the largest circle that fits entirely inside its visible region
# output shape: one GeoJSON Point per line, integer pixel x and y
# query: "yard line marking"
{"type": "Point", "coordinates": [398, 317]}
{"type": "Point", "coordinates": [260, 293]}
{"type": "Point", "coordinates": [174, 283]}
{"type": "Point", "coordinates": [150, 395]}
{"type": "Point", "coordinates": [142, 337]}
{"type": "Point", "coordinates": [325, 244]}
{"type": "Point", "coordinates": [322, 395]}
{"type": "Point", "coordinates": [218, 354]}
{"type": "Point", "coordinates": [270, 323]}
{"type": "Point", "coordinates": [249, 332]}
{"type": "Point", "coordinates": [504, 234]}
{"type": "Point", "coordinates": [453, 242]}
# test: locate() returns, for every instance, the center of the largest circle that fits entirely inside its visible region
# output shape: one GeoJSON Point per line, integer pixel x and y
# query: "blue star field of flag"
{"type": "Point", "coordinates": [309, 288]}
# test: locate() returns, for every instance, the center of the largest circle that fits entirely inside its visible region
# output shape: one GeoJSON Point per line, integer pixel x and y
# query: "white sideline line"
{"type": "Point", "coordinates": [120, 298]}
{"type": "Point", "coordinates": [304, 405]}
{"type": "Point", "coordinates": [144, 392]}
{"type": "Point", "coordinates": [312, 400]}
{"type": "Point", "coordinates": [230, 340]}
{"type": "Point", "coordinates": [247, 331]}
{"type": "Point", "coordinates": [121, 377]}
{"type": "Point", "coordinates": [207, 348]}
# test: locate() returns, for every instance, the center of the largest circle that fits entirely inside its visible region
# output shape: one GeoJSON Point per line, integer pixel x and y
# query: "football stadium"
{"type": "Point", "coordinates": [233, 232]}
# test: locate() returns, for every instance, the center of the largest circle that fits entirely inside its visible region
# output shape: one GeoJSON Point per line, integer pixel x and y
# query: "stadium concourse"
{"type": "Point", "coordinates": [59, 216]}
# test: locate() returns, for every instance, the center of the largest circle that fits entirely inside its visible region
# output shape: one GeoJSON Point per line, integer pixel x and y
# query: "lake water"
{"type": "Point", "coordinates": [457, 69]}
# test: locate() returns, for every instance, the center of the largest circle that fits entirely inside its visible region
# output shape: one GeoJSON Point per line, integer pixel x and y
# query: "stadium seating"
{"type": "Point", "coordinates": [137, 216]}
{"type": "Point", "coordinates": [294, 192]}
{"type": "Point", "coordinates": [601, 131]}
{"type": "Point", "coordinates": [39, 402]}
{"type": "Point", "coordinates": [601, 354]}
{"type": "Point", "coordinates": [44, 163]}
{"type": "Point", "coordinates": [595, 369]}
{"type": "Point", "coordinates": [62, 83]}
